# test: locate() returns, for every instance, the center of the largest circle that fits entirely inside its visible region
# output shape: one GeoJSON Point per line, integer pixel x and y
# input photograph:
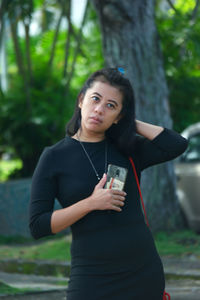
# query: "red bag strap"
{"type": "Point", "coordinates": [166, 296]}
{"type": "Point", "coordinates": [138, 184]}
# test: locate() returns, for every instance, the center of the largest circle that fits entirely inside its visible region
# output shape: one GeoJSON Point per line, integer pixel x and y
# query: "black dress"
{"type": "Point", "coordinates": [113, 253]}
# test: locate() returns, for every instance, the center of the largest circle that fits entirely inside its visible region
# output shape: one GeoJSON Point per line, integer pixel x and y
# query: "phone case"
{"type": "Point", "coordinates": [116, 177]}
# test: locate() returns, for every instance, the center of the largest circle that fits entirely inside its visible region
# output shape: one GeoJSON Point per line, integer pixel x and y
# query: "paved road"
{"type": "Point", "coordinates": [186, 287]}
{"type": "Point", "coordinates": [182, 289]}
{"type": "Point", "coordinates": [47, 285]}
{"type": "Point", "coordinates": [57, 295]}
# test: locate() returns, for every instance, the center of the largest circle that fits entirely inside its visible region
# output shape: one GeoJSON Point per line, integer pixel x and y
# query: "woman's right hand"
{"type": "Point", "coordinates": [106, 199]}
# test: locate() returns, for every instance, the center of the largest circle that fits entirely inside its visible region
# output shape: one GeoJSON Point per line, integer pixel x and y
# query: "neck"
{"type": "Point", "coordinates": [89, 137]}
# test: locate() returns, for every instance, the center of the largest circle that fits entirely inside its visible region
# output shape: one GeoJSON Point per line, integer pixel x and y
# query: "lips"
{"type": "Point", "coordinates": [96, 120]}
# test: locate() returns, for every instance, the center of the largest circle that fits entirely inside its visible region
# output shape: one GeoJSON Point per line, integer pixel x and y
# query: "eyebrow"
{"type": "Point", "coordinates": [108, 100]}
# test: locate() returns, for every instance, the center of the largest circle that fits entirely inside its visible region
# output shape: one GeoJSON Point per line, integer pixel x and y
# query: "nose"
{"type": "Point", "coordinates": [99, 108]}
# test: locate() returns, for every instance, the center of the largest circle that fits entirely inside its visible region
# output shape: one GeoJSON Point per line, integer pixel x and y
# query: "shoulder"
{"type": "Point", "coordinates": [63, 145]}
{"type": "Point", "coordinates": [55, 154]}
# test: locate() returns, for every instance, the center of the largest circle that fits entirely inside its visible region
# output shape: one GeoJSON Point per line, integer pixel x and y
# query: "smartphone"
{"type": "Point", "coordinates": [116, 177]}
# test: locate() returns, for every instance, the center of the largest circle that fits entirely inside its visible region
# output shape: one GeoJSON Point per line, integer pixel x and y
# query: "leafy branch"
{"type": "Point", "coordinates": [195, 11]}
{"type": "Point", "coordinates": [172, 6]}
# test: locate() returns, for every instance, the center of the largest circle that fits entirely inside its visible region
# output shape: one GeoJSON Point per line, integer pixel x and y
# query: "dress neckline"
{"type": "Point", "coordinates": [84, 142]}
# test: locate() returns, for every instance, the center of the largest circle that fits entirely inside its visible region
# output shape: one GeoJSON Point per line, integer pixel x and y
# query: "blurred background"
{"type": "Point", "coordinates": [48, 48]}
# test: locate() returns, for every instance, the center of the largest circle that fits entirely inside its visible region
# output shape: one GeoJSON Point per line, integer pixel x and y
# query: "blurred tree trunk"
{"type": "Point", "coordinates": [28, 80]}
{"type": "Point", "coordinates": [18, 53]}
{"type": "Point", "coordinates": [77, 49]}
{"type": "Point", "coordinates": [3, 7]}
{"type": "Point", "coordinates": [3, 62]}
{"type": "Point", "coordinates": [130, 39]}
{"type": "Point", "coordinates": [28, 54]}
{"type": "Point", "coordinates": [69, 34]}
{"type": "Point", "coordinates": [57, 28]}
{"type": "Point", "coordinates": [16, 13]}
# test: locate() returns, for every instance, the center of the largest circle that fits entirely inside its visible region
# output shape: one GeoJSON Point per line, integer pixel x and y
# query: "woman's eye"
{"type": "Point", "coordinates": [110, 105]}
{"type": "Point", "coordinates": [95, 98]}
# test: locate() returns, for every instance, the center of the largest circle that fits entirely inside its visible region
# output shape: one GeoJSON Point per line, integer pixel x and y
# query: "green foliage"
{"type": "Point", "coordinates": [8, 167]}
{"type": "Point", "coordinates": [179, 31]}
{"type": "Point", "coordinates": [21, 8]}
{"type": "Point", "coordinates": [185, 100]}
{"type": "Point", "coordinates": [35, 109]}
{"type": "Point", "coordinates": [30, 129]}
{"type": "Point", "coordinates": [185, 6]}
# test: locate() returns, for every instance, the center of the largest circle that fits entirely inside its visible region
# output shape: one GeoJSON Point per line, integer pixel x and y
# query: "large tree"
{"type": "Point", "coordinates": [130, 39]}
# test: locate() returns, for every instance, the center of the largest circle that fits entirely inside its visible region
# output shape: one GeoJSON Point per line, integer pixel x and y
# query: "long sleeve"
{"type": "Point", "coordinates": [43, 193]}
{"type": "Point", "coordinates": [166, 146]}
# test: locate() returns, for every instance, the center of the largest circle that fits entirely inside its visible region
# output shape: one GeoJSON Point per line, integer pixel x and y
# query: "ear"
{"type": "Point", "coordinates": [118, 118]}
{"type": "Point", "coordinates": [80, 100]}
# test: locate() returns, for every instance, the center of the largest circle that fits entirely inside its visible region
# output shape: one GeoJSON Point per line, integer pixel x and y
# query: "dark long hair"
{"type": "Point", "coordinates": [123, 133]}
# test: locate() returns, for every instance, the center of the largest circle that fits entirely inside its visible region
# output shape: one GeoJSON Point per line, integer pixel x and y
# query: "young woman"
{"type": "Point", "coordinates": [113, 255]}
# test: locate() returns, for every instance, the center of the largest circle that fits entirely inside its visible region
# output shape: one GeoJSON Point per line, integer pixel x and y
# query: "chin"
{"type": "Point", "coordinates": [95, 129]}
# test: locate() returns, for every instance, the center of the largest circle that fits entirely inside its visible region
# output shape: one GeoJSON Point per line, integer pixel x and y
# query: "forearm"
{"type": "Point", "coordinates": [147, 130]}
{"type": "Point", "coordinates": [65, 217]}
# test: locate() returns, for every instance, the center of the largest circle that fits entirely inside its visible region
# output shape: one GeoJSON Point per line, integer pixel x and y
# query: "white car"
{"type": "Point", "coordinates": [187, 169]}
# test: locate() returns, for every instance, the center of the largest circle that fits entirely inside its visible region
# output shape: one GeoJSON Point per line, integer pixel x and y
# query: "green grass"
{"type": "Point", "coordinates": [20, 240]}
{"type": "Point", "coordinates": [54, 249]}
{"type": "Point", "coordinates": [10, 240]}
{"type": "Point", "coordinates": [9, 290]}
{"type": "Point", "coordinates": [58, 248]}
{"type": "Point", "coordinates": [178, 243]}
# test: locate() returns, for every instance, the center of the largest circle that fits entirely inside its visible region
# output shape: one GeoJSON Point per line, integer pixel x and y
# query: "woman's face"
{"type": "Point", "coordinates": [100, 107]}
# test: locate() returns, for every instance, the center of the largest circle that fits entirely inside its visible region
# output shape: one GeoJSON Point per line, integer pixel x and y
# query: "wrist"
{"type": "Point", "coordinates": [88, 204]}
